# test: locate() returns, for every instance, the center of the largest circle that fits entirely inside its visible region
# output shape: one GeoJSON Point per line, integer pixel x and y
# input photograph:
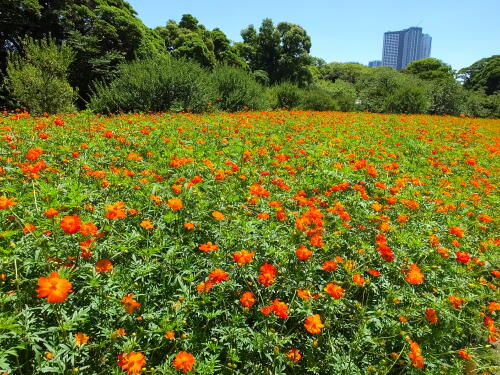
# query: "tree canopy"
{"type": "Point", "coordinates": [281, 51]}
{"type": "Point", "coordinates": [483, 75]}
{"type": "Point", "coordinates": [430, 69]}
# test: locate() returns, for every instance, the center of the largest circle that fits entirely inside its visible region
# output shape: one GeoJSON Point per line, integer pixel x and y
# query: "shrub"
{"type": "Point", "coordinates": [286, 95]}
{"type": "Point", "coordinates": [478, 104]}
{"type": "Point", "coordinates": [158, 84]}
{"type": "Point", "coordinates": [446, 97]}
{"type": "Point", "coordinates": [342, 92]}
{"type": "Point", "coordinates": [38, 79]}
{"type": "Point", "coordinates": [317, 99]}
{"type": "Point", "coordinates": [408, 98]}
{"type": "Point", "coordinates": [236, 89]}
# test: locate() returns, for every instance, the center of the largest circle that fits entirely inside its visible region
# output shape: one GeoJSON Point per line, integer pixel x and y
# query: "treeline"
{"type": "Point", "coordinates": [64, 55]}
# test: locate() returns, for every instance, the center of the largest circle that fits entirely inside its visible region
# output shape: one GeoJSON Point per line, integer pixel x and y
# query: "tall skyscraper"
{"type": "Point", "coordinates": [374, 63]}
{"type": "Point", "coordinates": [404, 46]}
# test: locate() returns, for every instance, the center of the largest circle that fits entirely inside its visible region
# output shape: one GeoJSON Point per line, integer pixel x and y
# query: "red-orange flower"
{"type": "Point", "coordinates": [132, 362]}
{"type": "Point", "coordinates": [116, 211]}
{"type": "Point", "coordinates": [416, 355]}
{"type": "Point", "coordinates": [129, 304]}
{"type": "Point", "coordinates": [374, 272]}
{"type": "Point", "coordinates": [358, 279]}
{"type": "Point", "coordinates": [462, 256]}
{"type": "Point", "coordinates": [334, 291]}
{"type": "Point", "coordinates": [204, 287]}
{"type": "Point", "coordinates": [146, 224]}
{"type": "Point", "coordinates": [70, 224]}
{"type": "Point", "coordinates": [329, 265]}
{"type": "Point", "coordinates": [247, 299]}
{"type": "Point", "coordinates": [456, 301]}
{"type": "Point", "coordinates": [293, 355]}
{"type": "Point", "coordinates": [414, 276]}
{"type": "Point", "coordinates": [313, 324]}
{"type": "Point", "coordinates": [303, 253]}
{"type": "Point", "coordinates": [431, 316]}
{"type": "Point", "coordinates": [184, 361]}
{"type": "Point", "coordinates": [209, 246]}
{"type": "Point", "coordinates": [243, 256]}
{"type": "Point", "coordinates": [267, 274]}
{"type": "Point", "coordinates": [54, 288]}
{"type": "Point", "coordinates": [175, 204]}
{"type": "Point", "coordinates": [51, 212]}
{"type": "Point", "coordinates": [103, 266]}
{"type": "Point", "coordinates": [218, 276]}
{"type": "Point", "coordinates": [463, 353]}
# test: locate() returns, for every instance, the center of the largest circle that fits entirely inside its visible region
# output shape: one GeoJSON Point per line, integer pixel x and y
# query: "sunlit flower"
{"type": "Point", "coordinates": [81, 339]}
{"type": "Point", "coordinates": [184, 361]}
{"type": "Point", "coordinates": [132, 362]}
{"type": "Point", "coordinates": [129, 304]}
{"type": "Point", "coordinates": [313, 324]}
{"type": "Point", "coordinates": [54, 288]}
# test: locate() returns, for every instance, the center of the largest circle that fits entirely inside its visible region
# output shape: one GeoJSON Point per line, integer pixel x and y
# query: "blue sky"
{"type": "Point", "coordinates": [463, 31]}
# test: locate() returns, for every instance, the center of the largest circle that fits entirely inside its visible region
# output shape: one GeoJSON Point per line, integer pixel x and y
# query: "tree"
{"type": "Point", "coordinates": [281, 51]}
{"type": "Point", "coordinates": [190, 39]}
{"type": "Point", "coordinates": [39, 78]}
{"type": "Point", "coordinates": [430, 69]}
{"type": "Point", "coordinates": [102, 34]}
{"type": "Point", "coordinates": [346, 72]}
{"type": "Point", "coordinates": [482, 75]}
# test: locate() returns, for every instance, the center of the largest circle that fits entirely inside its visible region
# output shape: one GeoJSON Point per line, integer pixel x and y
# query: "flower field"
{"type": "Point", "coordinates": [248, 243]}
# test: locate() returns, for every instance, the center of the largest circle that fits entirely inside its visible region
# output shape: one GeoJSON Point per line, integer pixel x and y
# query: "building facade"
{"type": "Point", "coordinates": [402, 47]}
{"type": "Point", "coordinates": [375, 63]}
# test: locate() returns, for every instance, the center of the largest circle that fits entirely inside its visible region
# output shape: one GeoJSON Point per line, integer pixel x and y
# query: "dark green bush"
{"type": "Point", "coordinates": [341, 91]}
{"type": "Point", "coordinates": [158, 84]}
{"type": "Point", "coordinates": [285, 95]}
{"type": "Point", "coordinates": [236, 89]}
{"type": "Point", "coordinates": [38, 79]}
{"type": "Point", "coordinates": [447, 97]}
{"type": "Point", "coordinates": [478, 104]}
{"type": "Point", "coordinates": [407, 98]}
{"type": "Point", "coordinates": [317, 99]}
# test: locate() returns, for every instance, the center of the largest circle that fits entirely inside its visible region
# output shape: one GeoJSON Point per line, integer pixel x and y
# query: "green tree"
{"type": "Point", "coordinates": [429, 69]}
{"type": "Point", "coordinates": [281, 51]}
{"type": "Point", "coordinates": [102, 34]}
{"type": "Point", "coordinates": [38, 79]}
{"type": "Point", "coordinates": [190, 39]}
{"type": "Point", "coordinates": [346, 72]}
{"type": "Point", "coordinates": [482, 75]}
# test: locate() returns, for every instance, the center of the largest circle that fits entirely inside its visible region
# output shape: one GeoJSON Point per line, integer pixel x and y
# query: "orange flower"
{"type": "Point", "coordinates": [313, 324]}
{"type": "Point", "coordinates": [415, 276]}
{"type": "Point", "coordinates": [218, 215]}
{"type": "Point", "coordinates": [129, 304]}
{"type": "Point", "coordinates": [329, 265]}
{"type": "Point", "coordinates": [146, 224]}
{"type": "Point", "coordinates": [170, 335]}
{"type": "Point", "coordinates": [463, 353]}
{"type": "Point", "coordinates": [247, 299]}
{"type": "Point", "coordinates": [303, 294]}
{"type": "Point", "coordinates": [88, 229]}
{"type": "Point", "coordinates": [54, 288]}
{"type": "Point", "coordinates": [51, 212]}
{"type": "Point", "coordinates": [267, 274]}
{"type": "Point", "coordinates": [456, 301]}
{"type": "Point", "coordinates": [494, 306]}
{"type": "Point", "coordinates": [81, 338]}
{"type": "Point", "coordinates": [243, 256]}
{"type": "Point", "coordinates": [374, 272]}
{"type": "Point", "coordinates": [415, 355]}
{"type": "Point", "coordinates": [334, 291]}
{"type": "Point", "coordinates": [70, 224]}
{"type": "Point", "coordinates": [209, 246]}
{"type": "Point", "coordinates": [280, 308]}
{"type": "Point", "coordinates": [132, 362]}
{"type": "Point", "coordinates": [462, 256]}
{"type": "Point", "coordinates": [457, 231]}
{"type": "Point", "coordinates": [358, 279]}
{"type": "Point", "coordinates": [303, 253]}
{"type": "Point", "coordinates": [103, 266]}
{"type": "Point", "coordinates": [116, 211]}
{"type": "Point", "coordinates": [431, 316]}
{"type": "Point", "coordinates": [204, 287]}
{"type": "Point", "coordinates": [28, 228]}
{"type": "Point", "coordinates": [218, 275]}
{"type": "Point", "coordinates": [175, 204]}
{"type": "Point", "coordinates": [189, 226]}
{"type": "Point", "coordinates": [293, 355]}
{"type": "Point", "coordinates": [184, 361]}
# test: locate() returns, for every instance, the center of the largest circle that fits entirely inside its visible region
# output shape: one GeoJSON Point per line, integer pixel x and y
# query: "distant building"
{"type": "Point", "coordinates": [402, 47]}
{"type": "Point", "coordinates": [353, 62]}
{"type": "Point", "coordinates": [375, 63]}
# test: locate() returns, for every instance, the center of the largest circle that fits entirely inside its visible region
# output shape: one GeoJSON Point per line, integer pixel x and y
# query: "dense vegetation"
{"type": "Point", "coordinates": [248, 243]}
{"type": "Point", "coordinates": [104, 47]}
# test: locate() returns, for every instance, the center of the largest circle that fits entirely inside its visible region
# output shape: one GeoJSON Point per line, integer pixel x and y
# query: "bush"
{"type": "Point", "coordinates": [374, 86]}
{"type": "Point", "coordinates": [408, 98]}
{"type": "Point", "coordinates": [478, 104]}
{"type": "Point", "coordinates": [446, 97]}
{"type": "Point", "coordinates": [317, 99]}
{"type": "Point", "coordinates": [236, 89]}
{"type": "Point", "coordinates": [159, 84]}
{"type": "Point", "coordinates": [341, 91]}
{"type": "Point", "coordinates": [285, 95]}
{"type": "Point", "coordinates": [38, 79]}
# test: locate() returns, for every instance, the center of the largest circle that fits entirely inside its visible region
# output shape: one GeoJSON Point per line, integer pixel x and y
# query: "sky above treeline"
{"type": "Point", "coordinates": [350, 31]}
